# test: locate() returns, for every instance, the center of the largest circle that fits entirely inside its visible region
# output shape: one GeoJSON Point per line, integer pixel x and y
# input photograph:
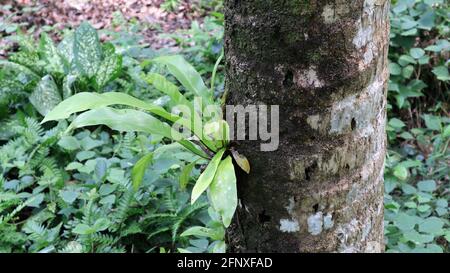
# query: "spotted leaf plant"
{"type": "Point", "coordinates": [195, 122]}
{"type": "Point", "coordinates": [49, 73]}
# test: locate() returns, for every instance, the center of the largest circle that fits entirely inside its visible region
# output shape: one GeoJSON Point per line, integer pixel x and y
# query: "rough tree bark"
{"type": "Point", "coordinates": [325, 64]}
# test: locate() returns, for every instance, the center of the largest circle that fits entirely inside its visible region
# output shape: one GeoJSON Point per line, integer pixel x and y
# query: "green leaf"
{"type": "Point", "coordinates": [45, 96]}
{"type": "Point", "coordinates": [406, 135]}
{"type": "Point", "coordinates": [137, 174]}
{"type": "Point", "coordinates": [395, 69]}
{"type": "Point", "coordinates": [213, 233]}
{"type": "Point", "coordinates": [197, 231]}
{"type": "Point", "coordinates": [432, 225]}
{"type": "Point", "coordinates": [69, 196]}
{"type": "Point", "coordinates": [108, 70]}
{"type": "Point", "coordinates": [441, 73]}
{"type": "Point", "coordinates": [405, 222]}
{"type": "Point", "coordinates": [219, 247]}
{"type": "Point", "coordinates": [69, 143]}
{"type": "Point", "coordinates": [416, 53]}
{"type": "Point", "coordinates": [68, 81]}
{"type": "Point", "coordinates": [446, 132]}
{"type": "Point", "coordinates": [50, 54]}
{"type": "Point", "coordinates": [427, 185]}
{"type": "Point", "coordinates": [83, 155]}
{"type": "Point", "coordinates": [408, 71]}
{"type": "Point", "coordinates": [433, 122]}
{"type": "Point", "coordinates": [186, 74]}
{"type": "Point", "coordinates": [396, 123]}
{"type": "Point", "coordinates": [124, 120]}
{"type": "Point", "coordinates": [87, 50]}
{"type": "Point", "coordinates": [404, 60]}
{"type": "Point", "coordinates": [85, 100]}
{"type": "Point", "coordinates": [185, 174]}
{"type": "Point", "coordinates": [401, 172]}
{"type": "Point", "coordinates": [168, 88]}
{"type": "Point", "coordinates": [417, 238]}
{"type": "Point", "coordinates": [433, 2]}
{"type": "Point", "coordinates": [193, 148]}
{"type": "Point", "coordinates": [207, 176]}
{"type": "Point", "coordinates": [73, 166]}
{"type": "Point", "coordinates": [83, 229]}
{"type": "Point", "coordinates": [65, 48]}
{"type": "Point", "coordinates": [101, 224]}
{"type": "Point", "coordinates": [223, 191]}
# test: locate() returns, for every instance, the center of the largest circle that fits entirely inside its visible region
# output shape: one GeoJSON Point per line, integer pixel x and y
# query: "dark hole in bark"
{"type": "Point", "coordinates": [347, 167]}
{"type": "Point", "coordinates": [263, 217]}
{"type": "Point", "coordinates": [353, 124]}
{"type": "Point", "coordinates": [288, 79]}
{"type": "Point", "coordinates": [316, 208]}
{"type": "Point", "coordinates": [310, 170]}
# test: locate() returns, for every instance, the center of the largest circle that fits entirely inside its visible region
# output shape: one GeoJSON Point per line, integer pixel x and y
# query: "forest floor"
{"type": "Point", "coordinates": [61, 14]}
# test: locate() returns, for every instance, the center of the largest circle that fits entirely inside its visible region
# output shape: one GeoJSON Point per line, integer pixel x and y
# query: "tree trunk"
{"type": "Point", "coordinates": [325, 64]}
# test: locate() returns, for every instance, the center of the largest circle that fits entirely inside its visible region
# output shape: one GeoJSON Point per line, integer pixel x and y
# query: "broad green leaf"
{"type": "Point", "coordinates": [65, 48]}
{"type": "Point", "coordinates": [404, 60]}
{"type": "Point", "coordinates": [446, 132]}
{"type": "Point", "coordinates": [405, 222]}
{"type": "Point", "coordinates": [396, 123]}
{"type": "Point", "coordinates": [241, 160]}
{"type": "Point", "coordinates": [207, 176]}
{"type": "Point", "coordinates": [182, 250]}
{"type": "Point", "coordinates": [223, 191]}
{"type": "Point", "coordinates": [69, 196]}
{"type": "Point", "coordinates": [197, 231]}
{"type": "Point", "coordinates": [401, 172]}
{"type": "Point", "coordinates": [87, 50]}
{"type": "Point", "coordinates": [45, 96]}
{"type": "Point", "coordinates": [83, 155]}
{"type": "Point", "coordinates": [219, 247]}
{"type": "Point", "coordinates": [185, 174]}
{"type": "Point", "coordinates": [215, 234]}
{"type": "Point", "coordinates": [427, 185]}
{"type": "Point", "coordinates": [124, 120]}
{"type": "Point", "coordinates": [69, 143]}
{"type": "Point", "coordinates": [186, 75]}
{"type": "Point", "coordinates": [87, 100]}
{"type": "Point", "coordinates": [219, 131]}
{"type": "Point", "coordinates": [168, 88]}
{"type": "Point", "coordinates": [395, 69]}
{"type": "Point", "coordinates": [416, 53]}
{"type": "Point", "coordinates": [408, 71]}
{"type": "Point", "coordinates": [441, 73]}
{"type": "Point", "coordinates": [108, 70]}
{"type": "Point", "coordinates": [83, 229]}
{"type": "Point", "coordinates": [28, 73]}
{"type": "Point", "coordinates": [101, 224]}
{"type": "Point", "coordinates": [433, 122]}
{"type": "Point", "coordinates": [406, 135]}
{"type": "Point", "coordinates": [137, 174]}
{"type": "Point", "coordinates": [191, 147]}
{"type": "Point", "coordinates": [50, 54]}
{"type": "Point", "coordinates": [68, 81]}
{"type": "Point", "coordinates": [417, 238]}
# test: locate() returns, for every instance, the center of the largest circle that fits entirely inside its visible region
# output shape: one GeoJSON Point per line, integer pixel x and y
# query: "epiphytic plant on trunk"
{"type": "Point", "coordinates": [209, 142]}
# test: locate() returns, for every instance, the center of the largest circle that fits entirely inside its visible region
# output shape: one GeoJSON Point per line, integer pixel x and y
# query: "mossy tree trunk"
{"type": "Point", "coordinates": [325, 64]}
